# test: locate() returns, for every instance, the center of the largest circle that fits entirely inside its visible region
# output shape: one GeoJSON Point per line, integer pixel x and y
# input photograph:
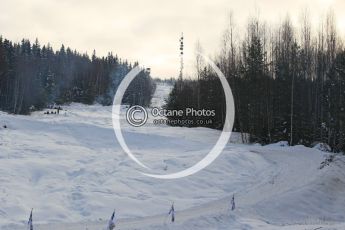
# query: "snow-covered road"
{"type": "Point", "coordinates": [70, 169]}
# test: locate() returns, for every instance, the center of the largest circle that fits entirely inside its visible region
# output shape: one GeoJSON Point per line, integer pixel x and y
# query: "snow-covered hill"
{"type": "Point", "coordinates": [71, 170]}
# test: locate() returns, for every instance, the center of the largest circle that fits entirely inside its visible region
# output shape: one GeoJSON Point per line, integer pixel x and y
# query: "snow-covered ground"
{"type": "Point", "coordinates": [70, 169]}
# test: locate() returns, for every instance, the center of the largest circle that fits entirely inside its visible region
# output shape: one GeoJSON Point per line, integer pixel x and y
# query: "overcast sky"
{"type": "Point", "coordinates": [145, 30]}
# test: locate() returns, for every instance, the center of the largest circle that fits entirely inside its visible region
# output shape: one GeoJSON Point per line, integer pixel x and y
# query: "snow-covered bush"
{"type": "Point", "coordinates": [322, 147]}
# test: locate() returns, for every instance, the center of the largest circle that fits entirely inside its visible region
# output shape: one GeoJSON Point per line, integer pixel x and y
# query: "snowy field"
{"type": "Point", "coordinates": [70, 169]}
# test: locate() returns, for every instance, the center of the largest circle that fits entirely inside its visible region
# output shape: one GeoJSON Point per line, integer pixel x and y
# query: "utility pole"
{"type": "Point", "coordinates": [180, 78]}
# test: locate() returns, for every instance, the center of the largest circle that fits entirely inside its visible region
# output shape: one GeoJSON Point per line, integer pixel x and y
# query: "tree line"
{"type": "Point", "coordinates": [32, 77]}
{"type": "Point", "coordinates": [288, 82]}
